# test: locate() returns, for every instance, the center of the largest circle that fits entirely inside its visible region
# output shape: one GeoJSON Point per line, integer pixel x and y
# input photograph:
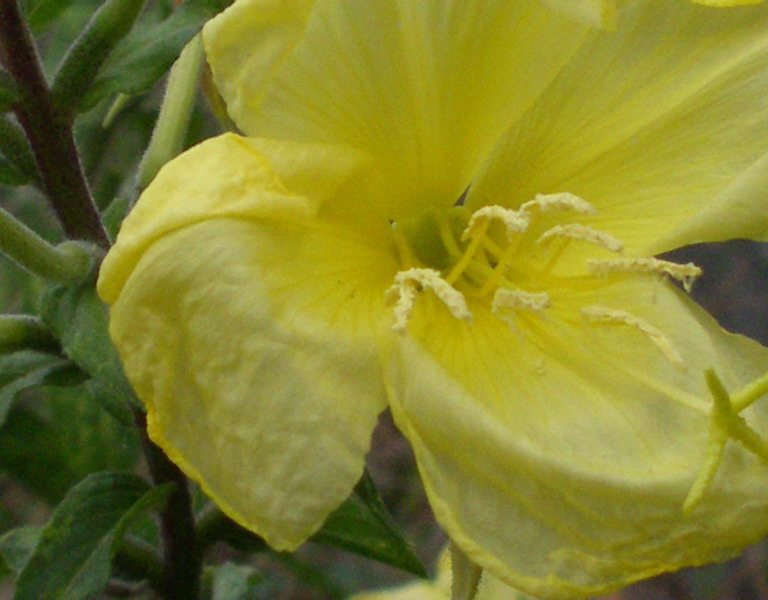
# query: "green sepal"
{"type": "Point", "coordinates": [24, 370]}
{"type": "Point", "coordinates": [363, 525]}
{"type": "Point", "coordinates": [17, 545]}
{"type": "Point", "coordinates": [80, 322]}
{"type": "Point", "coordinates": [145, 55]}
{"type": "Point", "coordinates": [82, 62]}
{"type": "Point", "coordinates": [73, 558]}
{"type": "Point", "coordinates": [9, 93]}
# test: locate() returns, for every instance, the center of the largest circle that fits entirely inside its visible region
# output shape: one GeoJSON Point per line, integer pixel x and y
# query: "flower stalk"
{"type": "Point", "coordinates": [49, 130]}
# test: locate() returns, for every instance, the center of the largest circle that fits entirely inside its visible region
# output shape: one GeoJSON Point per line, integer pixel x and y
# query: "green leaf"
{"type": "Point", "coordinates": [108, 25]}
{"type": "Point", "coordinates": [41, 13]}
{"type": "Point", "coordinates": [79, 320]}
{"type": "Point", "coordinates": [363, 525]}
{"type": "Point", "coordinates": [144, 56]}
{"type": "Point", "coordinates": [8, 91]}
{"type": "Point", "coordinates": [33, 453]}
{"type": "Point", "coordinates": [15, 149]}
{"type": "Point", "coordinates": [23, 370]}
{"type": "Point", "coordinates": [114, 215]}
{"type": "Point", "coordinates": [74, 555]}
{"type": "Point", "coordinates": [10, 176]}
{"type": "Point", "coordinates": [49, 445]}
{"type": "Point", "coordinates": [17, 546]}
{"type": "Point", "coordinates": [234, 582]}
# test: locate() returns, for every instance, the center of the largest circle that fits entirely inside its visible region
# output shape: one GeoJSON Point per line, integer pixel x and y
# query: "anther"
{"type": "Point", "coordinates": [560, 203]}
{"type": "Point", "coordinates": [687, 273]}
{"type": "Point", "coordinates": [575, 231]}
{"type": "Point", "coordinates": [515, 221]}
{"type": "Point", "coordinates": [520, 299]}
{"type": "Point", "coordinates": [506, 301]}
{"type": "Point", "coordinates": [409, 282]}
{"type": "Point", "coordinates": [612, 316]}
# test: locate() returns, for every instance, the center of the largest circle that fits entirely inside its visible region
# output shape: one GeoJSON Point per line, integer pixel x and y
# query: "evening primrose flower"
{"type": "Point", "coordinates": [451, 208]}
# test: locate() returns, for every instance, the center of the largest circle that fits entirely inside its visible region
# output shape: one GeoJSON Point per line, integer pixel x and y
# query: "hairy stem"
{"type": "Point", "coordinates": [49, 130]}
{"type": "Point", "coordinates": [182, 554]}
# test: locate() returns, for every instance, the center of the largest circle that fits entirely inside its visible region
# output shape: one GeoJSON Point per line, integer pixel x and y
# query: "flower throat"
{"type": "Point", "coordinates": [509, 258]}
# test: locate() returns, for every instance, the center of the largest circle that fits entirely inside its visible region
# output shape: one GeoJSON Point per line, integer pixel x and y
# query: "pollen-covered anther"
{"type": "Point", "coordinates": [506, 301]}
{"type": "Point", "coordinates": [686, 274]}
{"type": "Point", "coordinates": [515, 221]}
{"type": "Point", "coordinates": [562, 202]}
{"type": "Point", "coordinates": [585, 233]}
{"type": "Point", "coordinates": [408, 283]}
{"type": "Point", "coordinates": [613, 316]}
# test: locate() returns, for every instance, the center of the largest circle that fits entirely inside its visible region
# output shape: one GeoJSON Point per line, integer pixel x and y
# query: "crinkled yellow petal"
{"type": "Point", "coordinates": [259, 382]}
{"type": "Point", "coordinates": [661, 125]}
{"type": "Point", "coordinates": [247, 326]}
{"type": "Point", "coordinates": [216, 179]}
{"type": "Point", "coordinates": [557, 452]}
{"type": "Point", "coordinates": [423, 87]}
{"type": "Point", "coordinates": [596, 13]}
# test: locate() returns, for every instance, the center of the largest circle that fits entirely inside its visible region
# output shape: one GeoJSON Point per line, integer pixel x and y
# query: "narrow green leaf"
{"type": "Point", "coordinates": [79, 320]}
{"type": "Point", "coordinates": [108, 25]}
{"type": "Point", "coordinates": [10, 176]}
{"type": "Point", "coordinates": [42, 13]}
{"type": "Point", "coordinates": [15, 149]}
{"type": "Point", "coordinates": [9, 94]}
{"type": "Point", "coordinates": [33, 453]}
{"type": "Point", "coordinates": [114, 214]}
{"type": "Point", "coordinates": [23, 370]}
{"type": "Point", "coordinates": [365, 527]}
{"type": "Point", "coordinates": [234, 582]}
{"type": "Point", "coordinates": [361, 525]}
{"type": "Point", "coordinates": [17, 546]}
{"type": "Point", "coordinates": [73, 557]}
{"type": "Point", "coordinates": [144, 56]}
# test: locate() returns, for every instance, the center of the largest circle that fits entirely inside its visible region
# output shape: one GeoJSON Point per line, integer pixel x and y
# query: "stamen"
{"type": "Point", "coordinates": [560, 203]}
{"type": "Point", "coordinates": [401, 243]}
{"type": "Point", "coordinates": [584, 233]}
{"type": "Point", "coordinates": [507, 300]}
{"type": "Point", "coordinates": [612, 316]}
{"type": "Point", "coordinates": [515, 221]}
{"type": "Point", "coordinates": [520, 299]}
{"type": "Point", "coordinates": [409, 282]}
{"type": "Point", "coordinates": [687, 273]}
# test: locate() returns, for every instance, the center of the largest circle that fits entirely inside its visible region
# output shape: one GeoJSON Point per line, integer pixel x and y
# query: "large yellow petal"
{"type": "Point", "coordinates": [251, 345]}
{"type": "Point", "coordinates": [424, 87]}
{"type": "Point", "coordinates": [660, 124]}
{"type": "Point", "coordinates": [217, 179]}
{"type": "Point", "coordinates": [557, 453]}
{"type": "Point", "coordinates": [247, 325]}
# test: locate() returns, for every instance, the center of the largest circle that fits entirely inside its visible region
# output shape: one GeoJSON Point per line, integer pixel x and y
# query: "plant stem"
{"type": "Point", "coordinates": [182, 555]}
{"type": "Point", "coordinates": [49, 130]}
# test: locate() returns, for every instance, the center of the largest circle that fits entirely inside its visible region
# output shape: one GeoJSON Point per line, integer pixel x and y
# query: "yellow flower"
{"type": "Point", "coordinates": [450, 207]}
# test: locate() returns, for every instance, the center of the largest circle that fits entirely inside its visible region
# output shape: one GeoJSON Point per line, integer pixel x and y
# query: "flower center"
{"type": "Point", "coordinates": [510, 258]}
